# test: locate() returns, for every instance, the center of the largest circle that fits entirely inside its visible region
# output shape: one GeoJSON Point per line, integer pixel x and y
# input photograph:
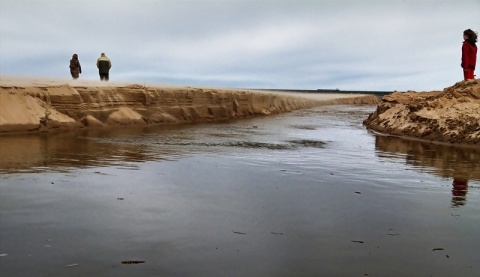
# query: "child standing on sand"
{"type": "Point", "coordinates": [469, 54]}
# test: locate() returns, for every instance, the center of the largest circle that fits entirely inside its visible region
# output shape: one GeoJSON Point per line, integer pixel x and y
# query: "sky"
{"type": "Point", "coordinates": [280, 44]}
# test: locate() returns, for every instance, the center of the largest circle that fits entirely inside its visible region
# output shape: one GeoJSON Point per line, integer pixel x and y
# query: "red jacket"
{"type": "Point", "coordinates": [469, 55]}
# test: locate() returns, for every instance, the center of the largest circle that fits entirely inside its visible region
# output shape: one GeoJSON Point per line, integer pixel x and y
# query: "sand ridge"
{"type": "Point", "coordinates": [451, 115]}
{"type": "Point", "coordinates": [36, 104]}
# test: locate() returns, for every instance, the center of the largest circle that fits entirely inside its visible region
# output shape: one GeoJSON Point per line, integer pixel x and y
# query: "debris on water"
{"type": "Point", "coordinates": [448, 257]}
{"type": "Point", "coordinates": [3, 255]}
{"type": "Point", "coordinates": [393, 234]}
{"type": "Point", "coordinates": [48, 240]}
{"type": "Point", "coordinates": [133, 262]}
{"type": "Point", "coordinates": [275, 233]}
{"type": "Point", "coordinates": [358, 241]}
{"type": "Point", "coordinates": [72, 265]}
{"type": "Point", "coordinates": [357, 192]}
{"type": "Point", "coordinates": [120, 198]}
{"type": "Point", "coordinates": [239, 233]}
{"type": "Point", "coordinates": [438, 249]}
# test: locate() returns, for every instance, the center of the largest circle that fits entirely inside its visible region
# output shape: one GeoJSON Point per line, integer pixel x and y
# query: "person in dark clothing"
{"type": "Point", "coordinates": [75, 68]}
{"type": "Point", "coordinates": [469, 54]}
{"type": "Point", "coordinates": [104, 65]}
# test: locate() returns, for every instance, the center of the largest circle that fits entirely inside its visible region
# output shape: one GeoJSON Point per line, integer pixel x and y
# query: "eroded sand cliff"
{"type": "Point", "coordinates": [38, 105]}
{"type": "Point", "coordinates": [451, 115]}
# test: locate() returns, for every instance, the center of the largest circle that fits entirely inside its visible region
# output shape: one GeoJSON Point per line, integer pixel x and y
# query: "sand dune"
{"type": "Point", "coordinates": [37, 104]}
{"type": "Point", "coordinates": [451, 115]}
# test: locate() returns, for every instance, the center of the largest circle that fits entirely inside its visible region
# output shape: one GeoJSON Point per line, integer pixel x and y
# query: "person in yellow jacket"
{"type": "Point", "coordinates": [104, 64]}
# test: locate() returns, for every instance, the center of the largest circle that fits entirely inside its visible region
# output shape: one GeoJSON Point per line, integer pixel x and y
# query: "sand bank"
{"type": "Point", "coordinates": [31, 105]}
{"type": "Point", "coordinates": [451, 115]}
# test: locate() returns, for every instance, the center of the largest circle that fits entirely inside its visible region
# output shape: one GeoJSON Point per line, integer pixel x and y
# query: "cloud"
{"type": "Point", "coordinates": [376, 45]}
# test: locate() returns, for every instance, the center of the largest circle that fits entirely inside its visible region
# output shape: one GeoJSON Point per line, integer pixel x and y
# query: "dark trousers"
{"type": "Point", "coordinates": [103, 76]}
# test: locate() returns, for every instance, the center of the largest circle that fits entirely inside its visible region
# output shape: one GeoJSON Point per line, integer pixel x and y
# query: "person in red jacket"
{"type": "Point", "coordinates": [469, 54]}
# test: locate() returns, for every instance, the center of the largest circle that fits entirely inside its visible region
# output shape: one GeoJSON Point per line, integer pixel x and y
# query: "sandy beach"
{"type": "Point", "coordinates": [39, 104]}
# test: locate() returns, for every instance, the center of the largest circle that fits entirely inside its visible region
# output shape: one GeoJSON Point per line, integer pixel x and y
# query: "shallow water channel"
{"type": "Point", "coordinates": [306, 193]}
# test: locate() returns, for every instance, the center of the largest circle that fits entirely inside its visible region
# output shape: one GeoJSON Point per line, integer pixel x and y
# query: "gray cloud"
{"type": "Point", "coordinates": [378, 45]}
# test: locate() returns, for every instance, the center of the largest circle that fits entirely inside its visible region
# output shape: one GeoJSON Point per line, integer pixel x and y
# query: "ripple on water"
{"type": "Point", "coordinates": [305, 127]}
{"type": "Point", "coordinates": [309, 143]}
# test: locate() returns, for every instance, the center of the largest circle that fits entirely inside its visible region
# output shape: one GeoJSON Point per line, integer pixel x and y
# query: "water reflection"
{"type": "Point", "coordinates": [126, 147]}
{"type": "Point", "coordinates": [60, 151]}
{"type": "Point", "coordinates": [461, 163]}
{"type": "Point", "coordinates": [459, 192]}
{"type": "Point", "coordinates": [447, 161]}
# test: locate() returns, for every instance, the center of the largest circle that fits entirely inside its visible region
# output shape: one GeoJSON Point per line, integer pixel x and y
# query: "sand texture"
{"type": "Point", "coordinates": [32, 105]}
{"type": "Point", "coordinates": [451, 115]}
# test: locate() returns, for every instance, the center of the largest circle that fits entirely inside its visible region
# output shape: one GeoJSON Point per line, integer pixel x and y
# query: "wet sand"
{"type": "Point", "coordinates": [306, 193]}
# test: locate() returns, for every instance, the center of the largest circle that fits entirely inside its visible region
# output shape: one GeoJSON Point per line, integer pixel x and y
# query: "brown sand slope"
{"type": "Point", "coordinates": [39, 104]}
{"type": "Point", "coordinates": [451, 115]}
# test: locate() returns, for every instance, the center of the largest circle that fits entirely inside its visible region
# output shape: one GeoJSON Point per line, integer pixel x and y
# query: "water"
{"type": "Point", "coordinates": [308, 193]}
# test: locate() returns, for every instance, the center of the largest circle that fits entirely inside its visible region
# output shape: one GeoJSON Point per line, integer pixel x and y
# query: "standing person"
{"type": "Point", "coordinates": [104, 65]}
{"type": "Point", "coordinates": [75, 68]}
{"type": "Point", "coordinates": [469, 54]}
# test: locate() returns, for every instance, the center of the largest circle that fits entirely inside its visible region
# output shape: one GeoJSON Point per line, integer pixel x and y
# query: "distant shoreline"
{"type": "Point", "coordinates": [374, 92]}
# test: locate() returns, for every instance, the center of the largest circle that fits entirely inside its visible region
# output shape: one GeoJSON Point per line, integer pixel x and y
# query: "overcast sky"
{"type": "Point", "coordinates": [345, 44]}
